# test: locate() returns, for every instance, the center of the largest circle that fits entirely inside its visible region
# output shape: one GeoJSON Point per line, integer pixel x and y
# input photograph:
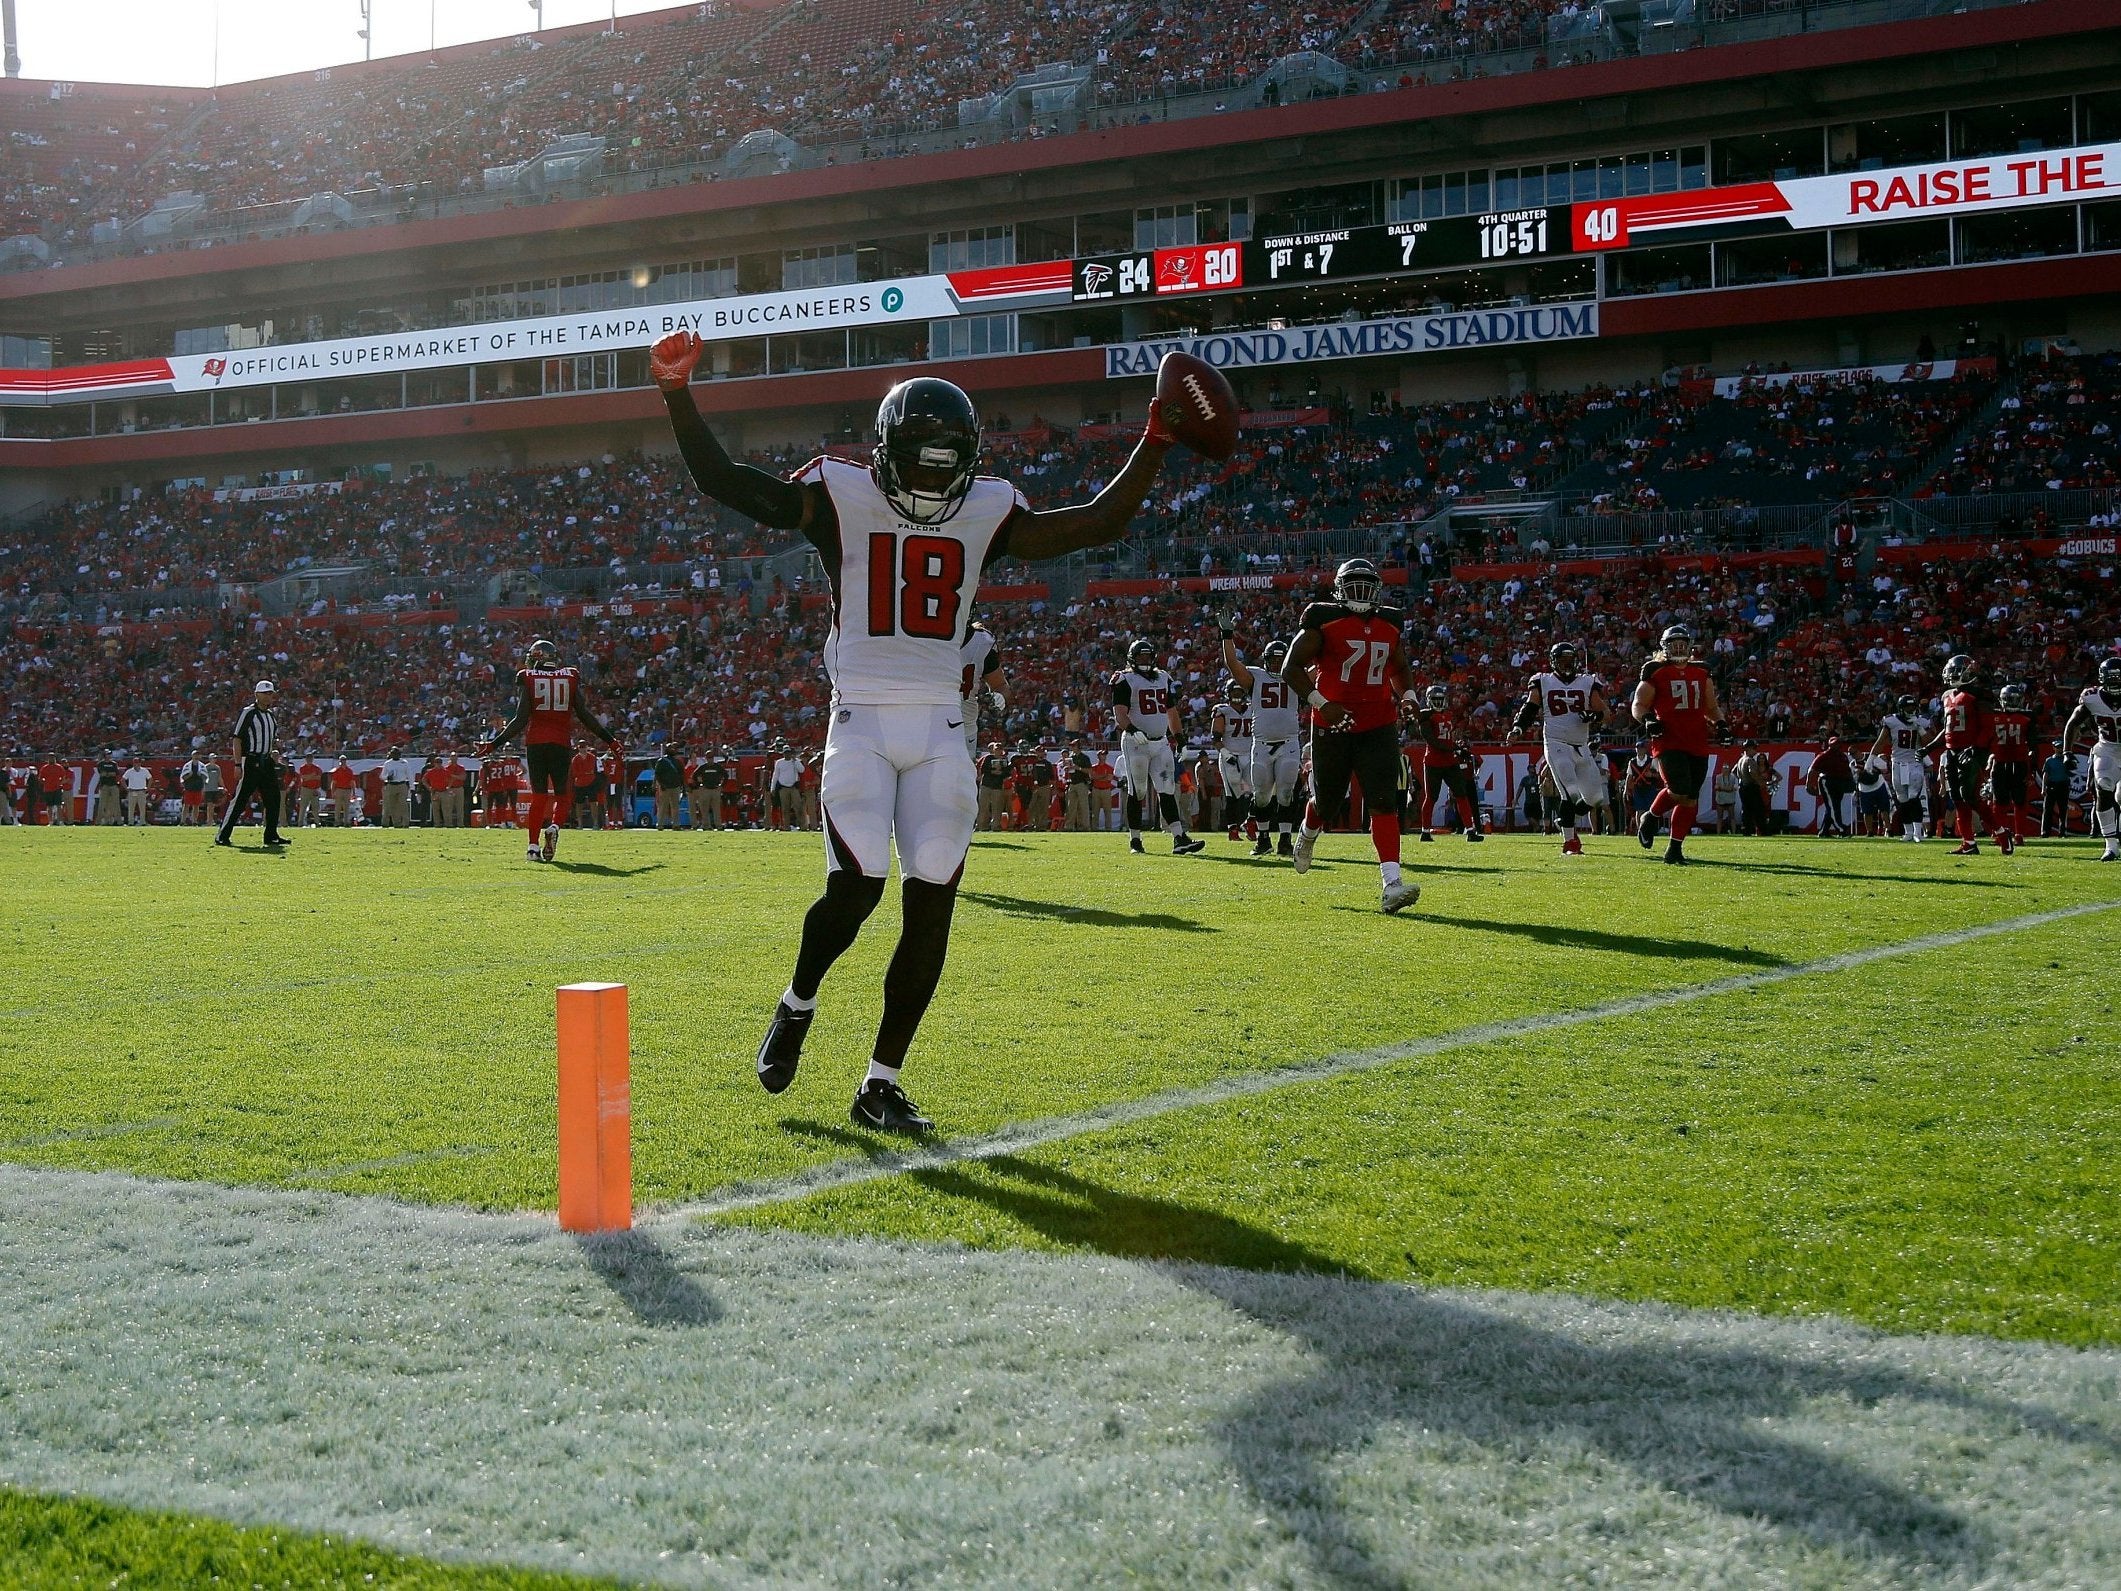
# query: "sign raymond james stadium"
{"type": "Point", "coordinates": [1363, 339]}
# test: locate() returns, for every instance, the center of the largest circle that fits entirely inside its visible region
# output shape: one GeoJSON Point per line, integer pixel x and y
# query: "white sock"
{"type": "Point", "coordinates": [1568, 832]}
{"type": "Point", "coordinates": [1178, 830]}
{"type": "Point", "coordinates": [796, 1002]}
{"type": "Point", "coordinates": [1390, 871]}
{"type": "Point", "coordinates": [1311, 833]}
{"type": "Point", "coordinates": [880, 1073]}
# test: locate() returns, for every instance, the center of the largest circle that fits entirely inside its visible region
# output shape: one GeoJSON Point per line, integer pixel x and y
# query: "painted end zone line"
{"type": "Point", "coordinates": [1052, 1129]}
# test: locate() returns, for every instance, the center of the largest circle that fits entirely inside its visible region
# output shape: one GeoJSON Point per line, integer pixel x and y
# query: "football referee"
{"type": "Point", "coordinates": [261, 774]}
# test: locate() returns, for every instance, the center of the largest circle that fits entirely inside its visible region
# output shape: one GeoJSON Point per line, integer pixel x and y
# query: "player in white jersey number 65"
{"type": "Point", "coordinates": [903, 539]}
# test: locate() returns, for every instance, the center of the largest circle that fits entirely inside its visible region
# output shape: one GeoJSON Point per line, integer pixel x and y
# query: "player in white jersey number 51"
{"type": "Point", "coordinates": [903, 539]}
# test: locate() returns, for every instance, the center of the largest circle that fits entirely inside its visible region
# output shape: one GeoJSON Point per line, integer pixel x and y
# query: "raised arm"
{"type": "Point", "coordinates": [1055, 532]}
{"type": "Point", "coordinates": [1234, 663]}
{"type": "Point", "coordinates": [753, 492]}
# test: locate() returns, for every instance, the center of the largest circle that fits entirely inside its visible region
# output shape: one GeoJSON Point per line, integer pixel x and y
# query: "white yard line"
{"type": "Point", "coordinates": [1053, 1129]}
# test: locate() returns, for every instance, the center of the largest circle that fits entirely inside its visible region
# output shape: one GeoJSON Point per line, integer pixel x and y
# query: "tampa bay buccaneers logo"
{"type": "Point", "coordinates": [1174, 272]}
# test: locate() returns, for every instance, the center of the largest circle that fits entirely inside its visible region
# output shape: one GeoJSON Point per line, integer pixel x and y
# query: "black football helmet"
{"type": "Point", "coordinates": [1141, 656]}
{"type": "Point", "coordinates": [1960, 671]}
{"type": "Point", "coordinates": [2014, 698]}
{"type": "Point", "coordinates": [2110, 677]}
{"type": "Point", "coordinates": [1277, 653]}
{"type": "Point", "coordinates": [543, 654]}
{"type": "Point", "coordinates": [1677, 643]}
{"type": "Point", "coordinates": [1907, 707]}
{"type": "Point", "coordinates": [927, 448]}
{"type": "Point", "coordinates": [1564, 659]}
{"type": "Point", "coordinates": [1357, 585]}
{"type": "Point", "coordinates": [1235, 694]}
{"type": "Point", "coordinates": [1436, 698]}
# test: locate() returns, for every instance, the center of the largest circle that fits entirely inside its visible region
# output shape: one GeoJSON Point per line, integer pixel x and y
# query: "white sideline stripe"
{"type": "Point", "coordinates": [1053, 1129]}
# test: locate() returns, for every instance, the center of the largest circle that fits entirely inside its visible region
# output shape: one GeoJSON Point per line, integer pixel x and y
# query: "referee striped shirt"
{"type": "Point", "coordinates": [255, 730]}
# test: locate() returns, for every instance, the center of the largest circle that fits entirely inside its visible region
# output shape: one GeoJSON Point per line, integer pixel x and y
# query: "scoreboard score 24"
{"type": "Point", "coordinates": [1333, 255]}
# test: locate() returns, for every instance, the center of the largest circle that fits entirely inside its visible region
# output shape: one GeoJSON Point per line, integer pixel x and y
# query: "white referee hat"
{"type": "Point", "coordinates": [264, 686]}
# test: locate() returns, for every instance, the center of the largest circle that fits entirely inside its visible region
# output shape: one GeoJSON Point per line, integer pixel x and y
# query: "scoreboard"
{"type": "Point", "coordinates": [1333, 255]}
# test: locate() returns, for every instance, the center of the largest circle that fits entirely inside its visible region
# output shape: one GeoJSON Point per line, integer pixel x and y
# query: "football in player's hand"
{"type": "Point", "coordinates": [1194, 405]}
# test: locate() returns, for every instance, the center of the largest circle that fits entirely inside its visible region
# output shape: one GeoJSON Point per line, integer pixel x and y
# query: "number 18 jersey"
{"type": "Point", "coordinates": [902, 592]}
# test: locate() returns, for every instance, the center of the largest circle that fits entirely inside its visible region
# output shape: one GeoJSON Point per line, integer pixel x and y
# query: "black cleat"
{"type": "Point", "coordinates": [1475, 836]}
{"type": "Point", "coordinates": [1286, 845]}
{"type": "Point", "coordinates": [1186, 845]}
{"type": "Point", "coordinates": [1263, 846]}
{"type": "Point", "coordinates": [1427, 838]}
{"type": "Point", "coordinates": [1135, 845]}
{"type": "Point", "coordinates": [1674, 855]}
{"type": "Point", "coordinates": [219, 841]}
{"type": "Point", "coordinates": [884, 1107]}
{"type": "Point", "coordinates": [1646, 830]}
{"type": "Point", "coordinates": [279, 840]}
{"type": "Point", "coordinates": [781, 1051]}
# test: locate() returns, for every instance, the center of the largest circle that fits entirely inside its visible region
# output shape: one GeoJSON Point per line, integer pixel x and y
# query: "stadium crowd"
{"type": "Point", "coordinates": [1298, 472]}
{"type": "Point", "coordinates": [671, 89]}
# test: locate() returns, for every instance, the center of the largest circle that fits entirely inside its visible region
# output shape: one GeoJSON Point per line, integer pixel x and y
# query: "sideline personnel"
{"type": "Point", "coordinates": [261, 775]}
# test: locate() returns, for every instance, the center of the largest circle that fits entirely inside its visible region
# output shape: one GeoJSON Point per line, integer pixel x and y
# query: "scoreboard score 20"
{"type": "Point", "coordinates": [1336, 255]}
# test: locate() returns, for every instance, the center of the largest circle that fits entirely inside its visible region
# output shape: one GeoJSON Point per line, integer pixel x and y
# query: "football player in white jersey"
{"type": "Point", "coordinates": [982, 682]}
{"type": "Point", "coordinates": [903, 539]}
{"type": "Point", "coordinates": [1277, 739]}
{"type": "Point", "coordinates": [1901, 735]}
{"type": "Point", "coordinates": [1233, 755]}
{"type": "Point", "coordinates": [1568, 703]}
{"type": "Point", "coordinates": [1145, 711]}
{"type": "Point", "coordinates": [2099, 710]}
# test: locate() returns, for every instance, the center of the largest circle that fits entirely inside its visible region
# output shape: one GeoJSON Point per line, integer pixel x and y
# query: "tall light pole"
{"type": "Point", "coordinates": [368, 45]}
{"type": "Point", "coordinates": [539, 7]}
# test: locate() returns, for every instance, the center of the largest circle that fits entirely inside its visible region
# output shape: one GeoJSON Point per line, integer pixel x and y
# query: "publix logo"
{"type": "Point", "coordinates": [894, 300]}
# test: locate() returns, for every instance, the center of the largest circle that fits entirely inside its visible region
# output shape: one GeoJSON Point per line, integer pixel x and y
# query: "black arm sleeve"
{"type": "Point", "coordinates": [1527, 711]}
{"type": "Point", "coordinates": [750, 491]}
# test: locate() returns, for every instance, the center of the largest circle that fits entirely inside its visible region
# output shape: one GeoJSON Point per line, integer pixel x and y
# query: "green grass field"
{"type": "Point", "coordinates": [1923, 1143]}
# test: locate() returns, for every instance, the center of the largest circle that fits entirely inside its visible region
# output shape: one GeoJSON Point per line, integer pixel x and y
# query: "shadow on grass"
{"type": "Point", "coordinates": [636, 1268]}
{"type": "Point", "coordinates": [1604, 939]}
{"type": "Point", "coordinates": [1091, 916]}
{"type": "Point", "coordinates": [1689, 1417]}
{"type": "Point", "coordinates": [1800, 871]}
{"type": "Point", "coordinates": [602, 870]}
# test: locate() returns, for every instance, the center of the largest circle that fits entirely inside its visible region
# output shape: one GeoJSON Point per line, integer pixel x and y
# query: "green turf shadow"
{"type": "Point", "coordinates": [1653, 945]}
{"type": "Point", "coordinates": [1087, 916]}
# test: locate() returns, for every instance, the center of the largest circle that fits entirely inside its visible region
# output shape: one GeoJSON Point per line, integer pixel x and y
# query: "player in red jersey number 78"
{"type": "Point", "coordinates": [1348, 662]}
{"type": "Point", "coordinates": [1675, 702]}
{"type": "Point", "coordinates": [550, 701]}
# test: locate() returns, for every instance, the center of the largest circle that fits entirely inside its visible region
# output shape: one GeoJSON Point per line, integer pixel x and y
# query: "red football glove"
{"type": "Point", "coordinates": [672, 358]}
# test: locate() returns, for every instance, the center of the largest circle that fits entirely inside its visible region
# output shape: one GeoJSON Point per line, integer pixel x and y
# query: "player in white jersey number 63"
{"type": "Point", "coordinates": [903, 539]}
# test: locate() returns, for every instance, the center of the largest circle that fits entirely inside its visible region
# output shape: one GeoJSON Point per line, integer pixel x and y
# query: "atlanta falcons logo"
{"type": "Point", "coordinates": [1095, 277]}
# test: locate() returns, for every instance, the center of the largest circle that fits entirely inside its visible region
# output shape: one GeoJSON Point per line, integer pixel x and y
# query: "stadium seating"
{"type": "Point", "coordinates": [2053, 432]}
{"type": "Point", "coordinates": [676, 88]}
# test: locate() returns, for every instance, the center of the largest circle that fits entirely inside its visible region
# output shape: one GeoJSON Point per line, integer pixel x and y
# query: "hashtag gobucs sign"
{"type": "Point", "coordinates": [1806, 204]}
